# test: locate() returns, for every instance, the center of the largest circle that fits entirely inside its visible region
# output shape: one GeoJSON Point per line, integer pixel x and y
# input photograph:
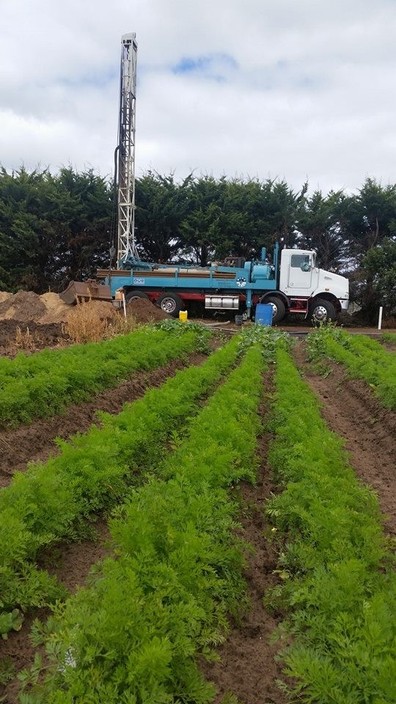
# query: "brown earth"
{"type": "Point", "coordinates": [29, 322]}
{"type": "Point", "coordinates": [36, 442]}
{"type": "Point", "coordinates": [23, 306]}
{"type": "Point", "coordinates": [352, 411]}
{"type": "Point", "coordinates": [248, 667]}
{"type": "Point", "coordinates": [69, 562]}
{"type": "Point", "coordinates": [26, 306]}
{"type": "Point", "coordinates": [16, 336]}
{"type": "Point", "coordinates": [143, 311]}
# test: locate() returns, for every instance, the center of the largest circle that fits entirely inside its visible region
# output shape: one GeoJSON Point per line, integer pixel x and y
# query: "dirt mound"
{"type": "Point", "coordinates": [23, 306]}
{"type": "Point", "coordinates": [56, 310]}
{"type": "Point", "coordinates": [145, 312]}
{"type": "Point", "coordinates": [4, 295]}
{"type": "Point", "coordinates": [16, 336]}
{"type": "Point", "coordinates": [102, 309]}
{"type": "Point", "coordinates": [49, 309]}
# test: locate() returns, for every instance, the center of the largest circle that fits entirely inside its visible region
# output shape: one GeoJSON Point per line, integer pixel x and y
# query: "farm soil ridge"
{"type": "Point", "coordinates": [72, 562]}
{"type": "Point", "coordinates": [352, 411]}
{"type": "Point", "coordinates": [35, 442]}
{"type": "Point", "coordinates": [248, 667]}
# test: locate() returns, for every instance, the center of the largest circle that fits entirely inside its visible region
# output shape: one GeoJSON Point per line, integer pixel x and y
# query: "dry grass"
{"type": "Point", "coordinates": [24, 340]}
{"type": "Point", "coordinates": [93, 321]}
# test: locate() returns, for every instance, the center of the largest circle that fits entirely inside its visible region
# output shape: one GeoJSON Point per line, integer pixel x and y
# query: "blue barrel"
{"type": "Point", "coordinates": [264, 313]}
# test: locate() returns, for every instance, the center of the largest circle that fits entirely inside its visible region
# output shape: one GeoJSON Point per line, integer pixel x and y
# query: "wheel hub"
{"type": "Point", "coordinates": [320, 313]}
{"type": "Point", "coordinates": [168, 305]}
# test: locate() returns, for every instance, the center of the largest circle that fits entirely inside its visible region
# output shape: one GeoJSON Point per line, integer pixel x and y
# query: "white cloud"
{"type": "Point", "coordinates": [271, 88]}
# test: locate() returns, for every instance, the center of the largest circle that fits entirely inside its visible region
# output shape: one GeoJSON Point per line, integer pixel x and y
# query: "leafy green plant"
{"type": "Point", "coordinates": [364, 358]}
{"type": "Point", "coordinates": [267, 337]}
{"type": "Point", "coordinates": [178, 569]}
{"type": "Point", "coordinates": [7, 670]}
{"type": "Point", "coordinates": [176, 327]}
{"type": "Point", "coordinates": [389, 337]}
{"type": "Point", "coordinates": [43, 384]}
{"type": "Point", "coordinates": [53, 501]}
{"type": "Point", "coordinates": [338, 585]}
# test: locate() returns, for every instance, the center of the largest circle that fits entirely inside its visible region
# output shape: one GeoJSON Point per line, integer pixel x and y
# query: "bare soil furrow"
{"type": "Point", "coordinates": [35, 442]}
{"type": "Point", "coordinates": [352, 410]}
{"type": "Point", "coordinates": [248, 667]}
{"type": "Point", "coordinates": [71, 563]}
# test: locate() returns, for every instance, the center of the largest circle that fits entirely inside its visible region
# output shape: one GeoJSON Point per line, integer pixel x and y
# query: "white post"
{"type": "Point", "coordinates": [380, 317]}
{"type": "Point", "coordinates": [123, 304]}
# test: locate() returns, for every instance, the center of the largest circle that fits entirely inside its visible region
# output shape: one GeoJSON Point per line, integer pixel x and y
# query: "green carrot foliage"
{"type": "Point", "coordinates": [45, 383]}
{"type": "Point", "coordinates": [54, 500]}
{"type": "Point", "coordinates": [338, 583]}
{"type": "Point", "coordinates": [364, 357]}
{"type": "Point", "coordinates": [177, 573]}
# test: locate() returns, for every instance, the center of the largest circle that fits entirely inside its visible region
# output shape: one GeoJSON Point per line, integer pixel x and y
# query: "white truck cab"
{"type": "Point", "coordinates": [301, 280]}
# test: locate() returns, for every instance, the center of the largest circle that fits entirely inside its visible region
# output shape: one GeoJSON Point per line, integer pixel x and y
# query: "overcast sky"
{"type": "Point", "coordinates": [289, 89]}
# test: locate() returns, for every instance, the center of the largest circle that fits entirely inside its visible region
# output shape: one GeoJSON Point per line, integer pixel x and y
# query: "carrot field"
{"type": "Point", "coordinates": [224, 534]}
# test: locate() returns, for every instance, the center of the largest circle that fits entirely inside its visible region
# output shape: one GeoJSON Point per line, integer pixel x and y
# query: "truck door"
{"type": "Point", "coordinates": [300, 274]}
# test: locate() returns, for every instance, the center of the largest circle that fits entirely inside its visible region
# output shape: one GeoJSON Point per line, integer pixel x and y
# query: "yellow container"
{"type": "Point", "coordinates": [183, 315]}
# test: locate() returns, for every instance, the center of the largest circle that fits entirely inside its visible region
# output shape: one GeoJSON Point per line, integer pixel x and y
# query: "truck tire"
{"type": "Point", "coordinates": [170, 303]}
{"type": "Point", "coordinates": [322, 311]}
{"type": "Point", "coordinates": [278, 308]}
{"type": "Point", "coordinates": [133, 295]}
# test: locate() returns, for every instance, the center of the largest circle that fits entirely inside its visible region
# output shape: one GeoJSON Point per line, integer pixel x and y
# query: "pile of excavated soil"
{"type": "Point", "coordinates": [47, 309]}
{"type": "Point", "coordinates": [4, 295]}
{"type": "Point", "coordinates": [56, 309]}
{"type": "Point", "coordinates": [143, 311]}
{"type": "Point", "coordinates": [29, 321]}
{"type": "Point", "coordinates": [23, 306]}
{"type": "Point", "coordinates": [102, 310]}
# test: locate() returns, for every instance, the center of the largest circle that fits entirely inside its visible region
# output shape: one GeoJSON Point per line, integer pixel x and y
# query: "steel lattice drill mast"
{"type": "Point", "coordinates": [126, 247]}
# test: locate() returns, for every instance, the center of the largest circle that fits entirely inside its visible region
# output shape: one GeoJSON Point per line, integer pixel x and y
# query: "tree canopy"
{"type": "Point", "coordinates": [54, 228]}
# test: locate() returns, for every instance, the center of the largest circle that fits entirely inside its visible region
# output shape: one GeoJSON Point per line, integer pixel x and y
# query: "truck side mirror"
{"type": "Point", "coordinates": [305, 266]}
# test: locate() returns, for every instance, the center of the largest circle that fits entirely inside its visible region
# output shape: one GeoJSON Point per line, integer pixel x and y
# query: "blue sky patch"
{"type": "Point", "coordinates": [214, 66]}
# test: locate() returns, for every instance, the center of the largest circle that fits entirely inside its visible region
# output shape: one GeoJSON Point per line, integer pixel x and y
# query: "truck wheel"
{"type": "Point", "coordinates": [170, 303]}
{"type": "Point", "coordinates": [134, 295]}
{"type": "Point", "coordinates": [322, 311]}
{"type": "Point", "coordinates": [278, 308]}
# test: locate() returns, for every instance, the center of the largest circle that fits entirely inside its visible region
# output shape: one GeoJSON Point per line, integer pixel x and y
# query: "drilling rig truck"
{"type": "Point", "coordinates": [290, 282]}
